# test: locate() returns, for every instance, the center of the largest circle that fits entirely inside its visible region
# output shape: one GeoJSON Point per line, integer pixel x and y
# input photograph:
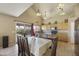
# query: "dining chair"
{"type": "Point", "coordinates": [19, 45]}
{"type": "Point", "coordinates": [26, 46]}
{"type": "Point", "coordinates": [51, 51]}
{"type": "Point", "coordinates": [54, 46]}
{"type": "Point", "coordinates": [23, 46]}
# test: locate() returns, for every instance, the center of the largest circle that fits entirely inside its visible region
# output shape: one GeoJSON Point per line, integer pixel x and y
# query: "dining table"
{"type": "Point", "coordinates": [38, 46]}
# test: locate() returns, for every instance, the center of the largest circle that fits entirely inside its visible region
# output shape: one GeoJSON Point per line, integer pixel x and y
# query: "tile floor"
{"type": "Point", "coordinates": [11, 51]}
{"type": "Point", "coordinates": [63, 49]}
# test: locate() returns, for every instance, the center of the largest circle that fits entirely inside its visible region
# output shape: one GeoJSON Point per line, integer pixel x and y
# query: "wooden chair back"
{"type": "Point", "coordinates": [23, 46]}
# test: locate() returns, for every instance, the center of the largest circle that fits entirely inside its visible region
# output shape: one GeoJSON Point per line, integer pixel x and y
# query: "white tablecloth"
{"type": "Point", "coordinates": [38, 46]}
{"type": "Point", "coordinates": [44, 45]}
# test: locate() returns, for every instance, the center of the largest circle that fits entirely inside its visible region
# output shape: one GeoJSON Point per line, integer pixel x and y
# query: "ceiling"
{"type": "Point", "coordinates": [50, 12]}
{"type": "Point", "coordinates": [14, 9]}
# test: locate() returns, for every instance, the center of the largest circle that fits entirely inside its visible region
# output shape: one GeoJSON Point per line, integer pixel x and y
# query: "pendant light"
{"type": "Point", "coordinates": [38, 13]}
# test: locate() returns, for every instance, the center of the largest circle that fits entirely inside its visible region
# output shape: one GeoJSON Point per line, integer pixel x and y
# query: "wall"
{"type": "Point", "coordinates": [7, 27]}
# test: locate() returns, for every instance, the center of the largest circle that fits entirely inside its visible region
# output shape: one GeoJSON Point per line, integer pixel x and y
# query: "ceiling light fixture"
{"type": "Point", "coordinates": [63, 13]}
{"type": "Point", "coordinates": [60, 9]}
{"type": "Point", "coordinates": [45, 18]}
{"type": "Point", "coordinates": [38, 13]}
{"type": "Point", "coordinates": [45, 15]}
{"type": "Point", "coordinates": [61, 5]}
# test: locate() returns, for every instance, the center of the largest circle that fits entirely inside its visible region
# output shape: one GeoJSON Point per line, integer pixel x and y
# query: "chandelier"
{"type": "Point", "coordinates": [60, 9]}
{"type": "Point", "coordinates": [38, 13]}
